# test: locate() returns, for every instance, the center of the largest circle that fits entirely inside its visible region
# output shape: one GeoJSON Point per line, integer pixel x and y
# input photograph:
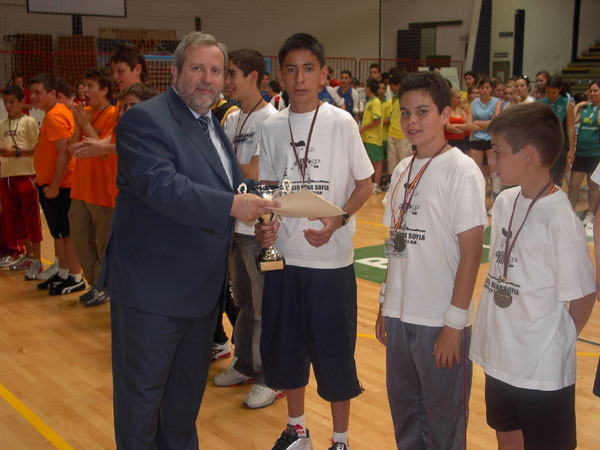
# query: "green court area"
{"type": "Point", "coordinates": [370, 263]}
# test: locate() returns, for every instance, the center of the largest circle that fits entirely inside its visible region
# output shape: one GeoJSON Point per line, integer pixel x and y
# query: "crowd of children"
{"type": "Point", "coordinates": [414, 132]}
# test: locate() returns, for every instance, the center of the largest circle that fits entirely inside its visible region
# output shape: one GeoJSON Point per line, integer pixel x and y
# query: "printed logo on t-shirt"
{"type": "Point", "coordinates": [412, 236]}
{"type": "Point", "coordinates": [494, 278]}
{"type": "Point", "coordinates": [242, 138]}
{"type": "Point", "coordinates": [313, 185]}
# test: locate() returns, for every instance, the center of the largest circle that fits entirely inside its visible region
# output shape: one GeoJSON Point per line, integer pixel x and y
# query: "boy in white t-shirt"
{"type": "Point", "coordinates": [539, 291]}
{"type": "Point", "coordinates": [309, 308]}
{"type": "Point", "coordinates": [436, 214]}
{"type": "Point", "coordinates": [242, 127]}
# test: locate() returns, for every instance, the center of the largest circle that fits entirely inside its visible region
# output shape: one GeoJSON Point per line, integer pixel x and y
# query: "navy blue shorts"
{"type": "Point", "coordinates": [546, 418]}
{"type": "Point", "coordinates": [56, 211]}
{"type": "Point", "coordinates": [309, 316]}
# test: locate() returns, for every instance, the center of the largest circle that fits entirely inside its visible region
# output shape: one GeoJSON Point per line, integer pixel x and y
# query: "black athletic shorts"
{"type": "Point", "coordinates": [481, 145]}
{"type": "Point", "coordinates": [586, 164]}
{"type": "Point", "coordinates": [309, 316]}
{"type": "Point", "coordinates": [546, 418]}
{"type": "Point", "coordinates": [56, 211]}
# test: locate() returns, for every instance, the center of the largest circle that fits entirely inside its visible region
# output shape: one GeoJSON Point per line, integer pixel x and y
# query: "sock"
{"type": "Point", "coordinates": [63, 273]}
{"type": "Point", "coordinates": [342, 438]}
{"type": "Point", "coordinates": [76, 276]}
{"type": "Point", "coordinates": [299, 424]}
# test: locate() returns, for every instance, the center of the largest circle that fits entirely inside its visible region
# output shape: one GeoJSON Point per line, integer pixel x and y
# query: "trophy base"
{"type": "Point", "coordinates": [267, 266]}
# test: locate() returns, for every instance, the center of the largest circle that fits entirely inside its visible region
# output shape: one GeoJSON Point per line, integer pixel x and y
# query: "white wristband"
{"type": "Point", "coordinates": [382, 293]}
{"type": "Point", "coordinates": [456, 318]}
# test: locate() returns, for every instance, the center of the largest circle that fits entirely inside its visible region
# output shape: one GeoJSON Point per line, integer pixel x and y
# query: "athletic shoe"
{"type": "Point", "coordinates": [261, 396]}
{"type": "Point", "coordinates": [90, 294]}
{"type": "Point", "coordinates": [98, 300]}
{"type": "Point", "coordinates": [9, 260]}
{"type": "Point", "coordinates": [489, 211]}
{"type": "Point", "coordinates": [53, 269]}
{"type": "Point", "coordinates": [289, 439]}
{"type": "Point", "coordinates": [67, 286]}
{"type": "Point", "coordinates": [34, 270]}
{"type": "Point", "coordinates": [339, 446]}
{"type": "Point", "coordinates": [221, 351]}
{"type": "Point", "coordinates": [54, 279]}
{"type": "Point", "coordinates": [589, 218]}
{"type": "Point", "coordinates": [22, 264]}
{"type": "Point", "coordinates": [230, 377]}
{"type": "Point", "coordinates": [589, 229]}
{"type": "Point", "coordinates": [376, 189]}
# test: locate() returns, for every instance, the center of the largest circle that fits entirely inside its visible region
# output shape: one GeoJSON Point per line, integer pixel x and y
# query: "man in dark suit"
{"type": "Point", "coordinates": [166, 261]}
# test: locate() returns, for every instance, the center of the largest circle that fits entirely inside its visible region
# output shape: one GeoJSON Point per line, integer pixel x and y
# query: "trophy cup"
{"type": "Point", "coordinates": [269, 258]}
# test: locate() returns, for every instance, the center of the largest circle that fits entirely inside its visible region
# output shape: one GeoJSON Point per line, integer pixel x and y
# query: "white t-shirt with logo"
{"type": "Point", "coordinates": [531, 343]}
{"type": "Point", "coordinates": [449, 199]}
{"type": "Point", "coordinates": [336, 158]}
{"type": "Point", "coordinates": [245, 142]}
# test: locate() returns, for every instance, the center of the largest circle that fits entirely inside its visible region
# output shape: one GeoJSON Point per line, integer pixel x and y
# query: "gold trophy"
{"type": "Point", "coordinates": [269, 258]}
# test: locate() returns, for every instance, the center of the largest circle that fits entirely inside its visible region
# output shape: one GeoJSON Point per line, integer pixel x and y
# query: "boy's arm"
{"type": "Point", "coordinates": [373, 124]}
{"type": "Point", "coordinates": [250, 170]}
{"type": "Point", "coordinates": [597, 254]}
{"type": "Point", "coordinates": [570, 135]}
{"type": "Point", "coordinates": [82, 119]}
{"type": "Point", "coordinates": [360, 194]}
{"type": "Point", "coordinates": [62, 164]}
{"type": "Point", "coordinates": [581, 309]}
{"type": "Point", "coordinates": [447, 345]}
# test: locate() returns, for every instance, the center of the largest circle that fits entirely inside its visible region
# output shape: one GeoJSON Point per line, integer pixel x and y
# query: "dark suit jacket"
{"type": "Point", "coordinates": [171, 230]}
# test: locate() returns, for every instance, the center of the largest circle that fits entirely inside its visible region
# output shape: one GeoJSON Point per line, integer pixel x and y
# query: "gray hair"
{"type": "Point", "coordinates": [196, 39]}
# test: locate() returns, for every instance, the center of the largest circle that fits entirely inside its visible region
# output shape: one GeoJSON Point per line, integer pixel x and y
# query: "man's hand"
{"type": "Point", "coordinates": [380, 329]}
{"type": "Point", "coordinates": [447, 347]}
{"type": "Point", "coordinates": [50, 191]}
{"type": "Point", "coordinates": [266, 233]}
{"type": "Point", "coordinates": [248, 207]}
{"type": "Point", "coordinates": [317, 238]}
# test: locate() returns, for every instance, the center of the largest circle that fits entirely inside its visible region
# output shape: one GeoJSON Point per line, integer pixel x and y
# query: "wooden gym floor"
{"type": "Point", "coordinates": [56, 387]}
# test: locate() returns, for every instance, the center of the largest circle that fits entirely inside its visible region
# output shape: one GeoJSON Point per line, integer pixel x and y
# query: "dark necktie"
{"type": "Point", "coordinates": [203, 121]}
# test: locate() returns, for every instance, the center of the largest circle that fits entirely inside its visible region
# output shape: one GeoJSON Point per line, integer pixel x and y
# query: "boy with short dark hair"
{"type": "Point", "coordinates": [242, 83]}
{"type": "Point", "coordinates": [539, 291]}
{"type": "Point", "coordinates": [309, 308]}
{"type": "Point", "coordinates": [436, 214]}
{"type": "Point", "coordinates": [54, 170]}
{"type": "Point", "coordinates": [94, 187]}
{"type": "Point", "coordinates": [371, 131]}
{"type": "Point", "coordinates": [18, 196]}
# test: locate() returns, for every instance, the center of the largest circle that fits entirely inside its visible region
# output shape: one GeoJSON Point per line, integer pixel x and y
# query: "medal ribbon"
{"type": "Point", "coordinates": [238, 131]}
{"type": "Point", "coordinates": [508, 247]}
{"type": "Point", "coordinates": [13, 133]}
{"type": "Point", "coordinates": [98, 116]}
{"type": "Point", "coordinates": [410, 190]}
{"type": "Point", "coordinates": [302, 167]}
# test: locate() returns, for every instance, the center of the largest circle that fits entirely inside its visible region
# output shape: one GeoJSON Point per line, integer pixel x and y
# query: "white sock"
{"type": "Point", "coordinates": [63, 273]}
{"type": "Point", "coordinates": [76, 276]}
{"type": "Point", "coordinates": [295, 421]}
{"type": "Point", "coordinates": [342, 438]}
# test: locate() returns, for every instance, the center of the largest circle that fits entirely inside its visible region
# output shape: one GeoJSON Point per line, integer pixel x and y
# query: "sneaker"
{"type": "Point", "coordinates": [90, 294]}
{"type": "Point", "coordinates": [34, 270]}
{"type": "Point", "coordinates": [54, 279]}
{"type": "Point", "coordinates": [589, 218]}
{"type": "Point", "coordinates": [67, 286]}
{"type": "Point", "coordinates": [489, 211]}
{"type": "Point", "coordinates": [221, 351]}
{"type": "Point", "coordinates": [261, 396]}
{"type": "Point", "coordinates": [230, 377]}
{"type": "Point", "coordinates": [9, 260]}
{"type": "Point", "coordinates": [22, 264]}
{"type": "Point", "coordinates": [50, 271]}
{"type": "Point", "coordinates": [98, 300]}
{"type": "Point", "coordinates": [339, 446]}
{"type": "Point", "coordinates": [589, 230]}
{"type": "Point", "coordinates": [376, 189]}
{"type": "Point", "coordinates": [289, 439]}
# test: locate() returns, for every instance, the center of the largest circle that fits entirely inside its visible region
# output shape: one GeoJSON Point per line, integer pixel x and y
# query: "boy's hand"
{"type": "Point", "coordinates": [266, 233]}
{"type": "Point", "coordinates": [447, 348]}
{"type": "Point", "coordinates": [51, 192]}
{"type": "Point", "coordinates": [80, 115]}
{"type": "Point", "coordinates": [380, 329]}
{"type": "Point", "coordinates": [7, 152]}
{"type": "Point", "coordinates": [317, 238]}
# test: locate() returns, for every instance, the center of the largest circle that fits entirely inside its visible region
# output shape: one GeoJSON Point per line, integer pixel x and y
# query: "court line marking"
{"type": "Point", "coordinates": [34, 420]}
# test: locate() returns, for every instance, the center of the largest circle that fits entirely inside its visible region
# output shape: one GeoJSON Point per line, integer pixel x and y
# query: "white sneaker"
{"type": "Point", "coordinates": [589, 218]}
{"type": "Point", "coordinates": [50, 271]}
{"type": "Point", "coordinates": [230, 377]}
{"type": "Point", "coordinates": [35, 268]}
{"type": "Point", "coordinates": [221, 351]}
{"type": "Point", "coordinates": [376, 189]}
{"type": "Point", "coordinates": [21, 264]}
{"type": "Point", "coordinates": [261, 396]}
{"type": "Point", "coordinates": [589, 230]}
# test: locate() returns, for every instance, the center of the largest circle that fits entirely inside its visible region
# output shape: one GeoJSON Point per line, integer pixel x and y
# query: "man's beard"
{"type": "Point", "coordinates": [200, 103]}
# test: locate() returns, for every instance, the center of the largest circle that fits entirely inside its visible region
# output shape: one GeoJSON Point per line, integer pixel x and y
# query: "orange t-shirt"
{"type": "Point", "coordinates": [95, 179]}
{"type": "Point", "coordinates": [58, 124]}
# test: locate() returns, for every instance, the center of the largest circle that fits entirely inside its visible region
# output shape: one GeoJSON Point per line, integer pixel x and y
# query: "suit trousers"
{"type": "Point", "coordinates": [160, 367]}
{"type": "Point", "coordinates": [90, 227]}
